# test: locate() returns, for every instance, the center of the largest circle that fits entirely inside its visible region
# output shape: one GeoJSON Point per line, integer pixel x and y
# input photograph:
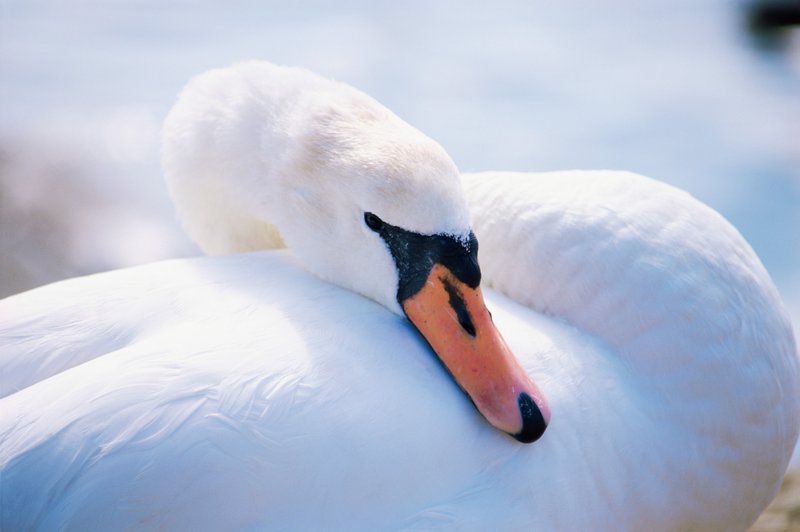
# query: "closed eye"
{"type": "Point", "coordinates": [372, 221]}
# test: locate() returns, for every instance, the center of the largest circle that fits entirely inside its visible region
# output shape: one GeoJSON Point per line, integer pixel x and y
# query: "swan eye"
{"type": "Point", "coordinates": [372, 221]}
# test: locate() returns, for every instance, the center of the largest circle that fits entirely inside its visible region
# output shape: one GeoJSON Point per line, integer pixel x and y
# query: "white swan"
{"type": "Point", "coordinates": [241, 392]}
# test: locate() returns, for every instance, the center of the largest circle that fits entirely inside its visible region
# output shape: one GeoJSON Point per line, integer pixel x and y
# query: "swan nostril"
{"type": "Point", "coordinates": [533, 423]}
{"type": "Point", "coordinates": [466, 324]}
{"type": "Point", "coordinates": [457, 303]}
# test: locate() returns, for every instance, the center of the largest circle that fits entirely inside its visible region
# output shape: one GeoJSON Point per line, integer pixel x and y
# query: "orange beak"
{"type": "Point", "coordinates": [454, 320]}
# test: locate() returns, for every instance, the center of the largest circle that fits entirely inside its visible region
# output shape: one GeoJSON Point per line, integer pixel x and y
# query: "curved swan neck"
{"type": "Point", "coordinates": [673, 290]}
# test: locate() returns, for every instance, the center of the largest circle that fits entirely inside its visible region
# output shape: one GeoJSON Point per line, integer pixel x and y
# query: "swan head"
{"type": "Point", "coordinates": [258, 156]}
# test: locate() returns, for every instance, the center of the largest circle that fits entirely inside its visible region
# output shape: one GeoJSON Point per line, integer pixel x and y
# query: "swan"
{"type": "Point", "coordinates": [318, 386]}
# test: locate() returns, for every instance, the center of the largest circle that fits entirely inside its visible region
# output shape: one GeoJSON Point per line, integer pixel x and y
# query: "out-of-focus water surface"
{"type": "Point", "coordinates": [676, 90]}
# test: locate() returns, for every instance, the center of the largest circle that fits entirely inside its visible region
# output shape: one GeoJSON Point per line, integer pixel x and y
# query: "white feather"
{"type": "Point", "coordinates": [241, 392]}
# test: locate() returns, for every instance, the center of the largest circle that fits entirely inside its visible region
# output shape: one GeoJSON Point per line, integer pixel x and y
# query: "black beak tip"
{"type": "Point", "coordinates": [533, 423]}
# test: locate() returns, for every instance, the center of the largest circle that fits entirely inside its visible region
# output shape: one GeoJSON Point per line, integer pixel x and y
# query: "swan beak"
{"type": "Point", "coordinates": [454, 320]}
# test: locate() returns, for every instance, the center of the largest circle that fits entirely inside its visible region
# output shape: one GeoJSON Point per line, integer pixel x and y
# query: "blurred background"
{"type": "Point", "coordinates": [703, 94]}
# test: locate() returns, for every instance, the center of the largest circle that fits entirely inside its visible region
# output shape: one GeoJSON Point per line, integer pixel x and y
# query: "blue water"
{"type": "Point", "coordinates": [676, 90]}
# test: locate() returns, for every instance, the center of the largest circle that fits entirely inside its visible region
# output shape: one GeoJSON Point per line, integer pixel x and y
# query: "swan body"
{"type": "Point", "coordinates": [243, 392]}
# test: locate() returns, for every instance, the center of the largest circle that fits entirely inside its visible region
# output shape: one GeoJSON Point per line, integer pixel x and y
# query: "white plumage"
{"type": "Point", "coordinates": [241, 392]}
